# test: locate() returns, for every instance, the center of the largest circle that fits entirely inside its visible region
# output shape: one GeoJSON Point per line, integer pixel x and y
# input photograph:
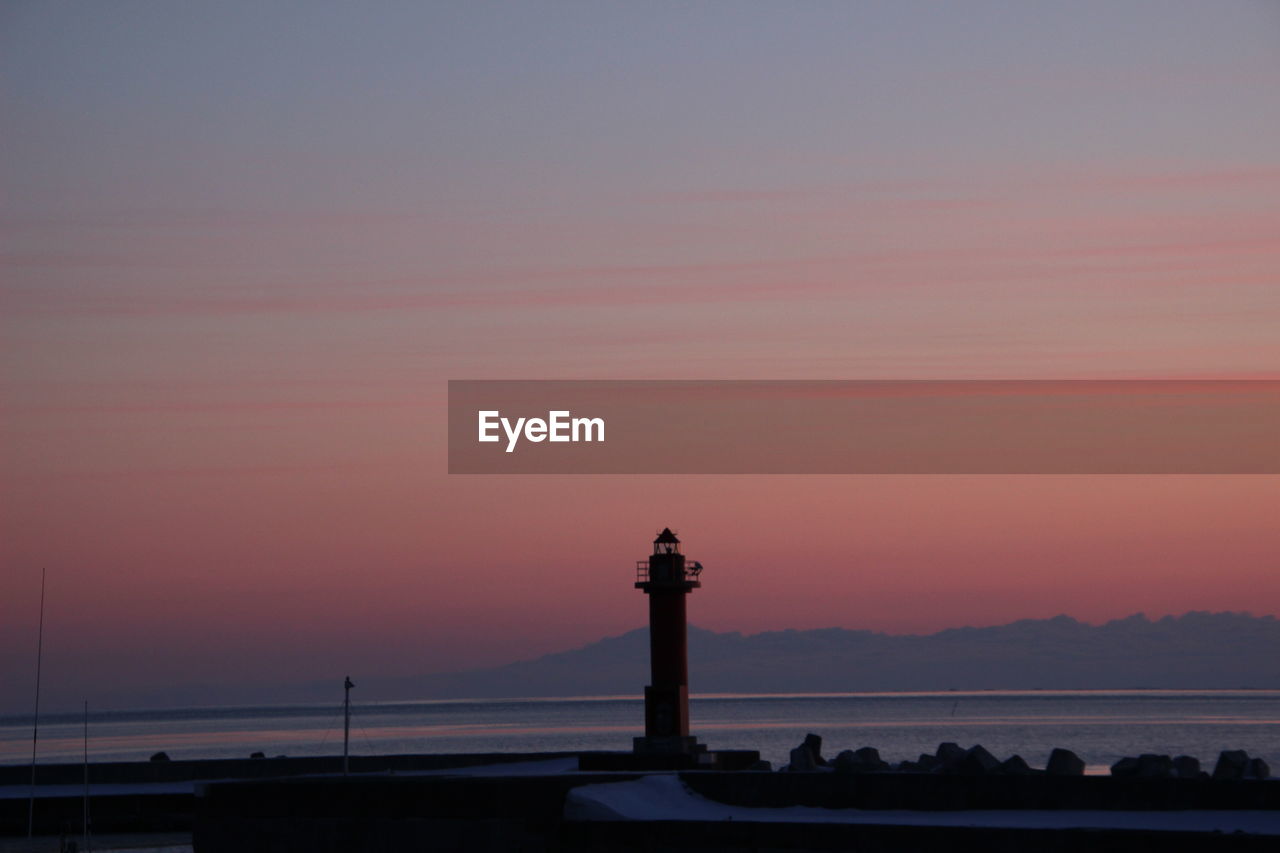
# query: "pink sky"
{"type": "Point", "coordinates": [243, 254]}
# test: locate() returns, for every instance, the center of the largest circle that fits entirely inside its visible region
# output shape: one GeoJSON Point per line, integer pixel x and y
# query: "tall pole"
{"type": "Point", "coordinates": [35, 723]}
{"type": "Point", "coordinates": [85, 820]}
{"type": "Point", "coordinates": [346, 725]}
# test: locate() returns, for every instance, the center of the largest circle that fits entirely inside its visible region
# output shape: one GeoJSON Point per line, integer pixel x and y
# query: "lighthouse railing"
{"type": "Point", "coordinates": [691, 571]}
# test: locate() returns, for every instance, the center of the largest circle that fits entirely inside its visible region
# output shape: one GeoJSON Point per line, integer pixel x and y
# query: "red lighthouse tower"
{"type": "Point", "coordinates": [667, 577]}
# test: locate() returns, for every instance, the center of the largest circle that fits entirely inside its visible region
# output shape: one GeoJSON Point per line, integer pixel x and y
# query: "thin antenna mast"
{"type": "Point", "coordinates": [87, 846]}
{"type": "Point", "coordinates": [35, 723]}
{"type": "Point", "coordinates": [346, 725]}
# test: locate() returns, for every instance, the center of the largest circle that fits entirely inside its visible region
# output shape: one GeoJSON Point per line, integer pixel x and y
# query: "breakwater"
{"type": "Point", "coordinates": [505, 801]}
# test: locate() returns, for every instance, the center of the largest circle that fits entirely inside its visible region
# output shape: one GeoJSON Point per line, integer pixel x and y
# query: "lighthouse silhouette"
{"type": "Point", "coordinates": [667, 578]}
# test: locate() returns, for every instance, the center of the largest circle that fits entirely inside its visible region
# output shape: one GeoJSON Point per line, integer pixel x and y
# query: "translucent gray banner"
{"type": "Point", "coordinates": [864, 427]}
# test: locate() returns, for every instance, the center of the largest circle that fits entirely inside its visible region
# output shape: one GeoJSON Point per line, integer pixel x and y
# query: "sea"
{"type": "Point", "coordinates": [1099, 726]}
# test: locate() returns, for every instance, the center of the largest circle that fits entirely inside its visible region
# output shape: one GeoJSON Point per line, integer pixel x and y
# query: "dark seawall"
{"type": "Point", "coordinates": [491, 814]}
{"type": "Point", "coordinates": [166, 810]}
{"type": "Point", "coordinates": [288, 805]}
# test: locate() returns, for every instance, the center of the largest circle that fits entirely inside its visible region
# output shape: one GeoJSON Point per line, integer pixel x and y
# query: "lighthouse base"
{"type": "Point", "coordinates": [671, 745]}
{"type": "Point", "coordinates": [642, 761]}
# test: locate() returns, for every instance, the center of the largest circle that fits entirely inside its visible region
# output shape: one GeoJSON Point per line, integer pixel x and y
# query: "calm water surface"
{"type": "Point", "coordinates": [1101, 726]}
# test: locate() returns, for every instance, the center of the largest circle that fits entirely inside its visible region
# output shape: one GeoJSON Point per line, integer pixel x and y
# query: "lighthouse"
{"type": "Point", "coordinates": [667, 578]}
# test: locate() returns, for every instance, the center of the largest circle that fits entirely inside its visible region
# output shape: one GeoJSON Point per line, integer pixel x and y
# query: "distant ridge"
{"type": "Point", "coordinates": [1198, 650]}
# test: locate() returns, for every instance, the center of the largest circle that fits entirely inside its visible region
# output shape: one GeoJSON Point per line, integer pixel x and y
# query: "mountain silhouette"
{"type": "Point", "coordinates": [1197, 650]}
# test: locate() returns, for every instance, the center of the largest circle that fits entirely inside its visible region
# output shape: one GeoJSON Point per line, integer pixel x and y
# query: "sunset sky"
{"type": "Point", "coordinates": [246, 245]}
